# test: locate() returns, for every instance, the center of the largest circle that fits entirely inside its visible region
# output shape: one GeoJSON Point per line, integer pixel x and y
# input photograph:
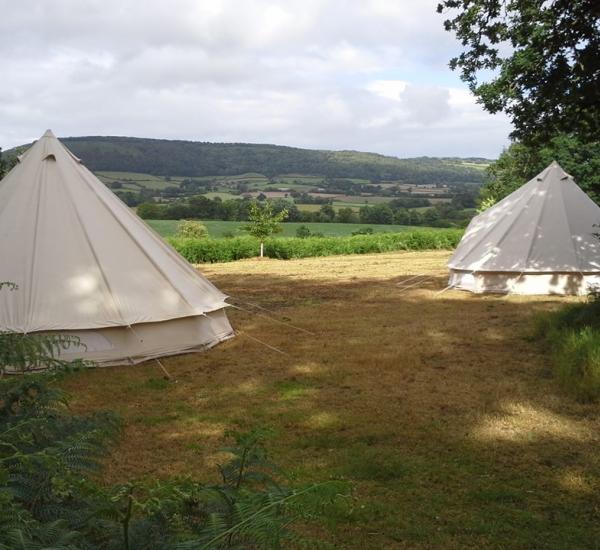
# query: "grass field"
{"type": "Point", "coordinates": [218, 229]}
{"type": "Point", "coordinates": [436, 407]}
{"type": "Point", "coordinates": [135, 182]}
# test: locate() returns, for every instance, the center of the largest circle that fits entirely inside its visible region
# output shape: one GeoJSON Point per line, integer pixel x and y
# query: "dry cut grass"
{"type": "Point", "coordinates": [435, 406]}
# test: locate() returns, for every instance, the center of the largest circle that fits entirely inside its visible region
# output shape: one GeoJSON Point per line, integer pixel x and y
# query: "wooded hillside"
{"type": "Point", "coordinates": [187, 158]}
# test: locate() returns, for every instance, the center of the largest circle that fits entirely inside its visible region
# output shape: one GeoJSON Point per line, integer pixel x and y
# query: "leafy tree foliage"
{"type": "Point", "coordinates": [327, 213]}
{"type": "Point", "coordinates": [263, 221]}
{"type": "Point", "coordinates": [379, 214]}
{"type": "Point", "coordinates": [238, 210]}
{"type": "Point", "coordinates": [519, 163]}
{"type": "Point", "coordinates": [543, 57]}
{"type": "Point", "coordinates": [2, 165]}
{"type": "Point", "coordinates": [347, 215]}
{"type": "Point", "coordinates": [410, 202]}
{"type": "Point", "coordinates": [129, 197]}
{"type": "Point", "coordinates": [149, 211]}
{"type": "Point", "coordinates": [6, 164]}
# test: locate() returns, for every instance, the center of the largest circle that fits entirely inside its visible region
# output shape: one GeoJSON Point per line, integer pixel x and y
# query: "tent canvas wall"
{"type": "Point", "coordinates": [538, 240]}
{"type": "Point", "coordinates": [87, 266]}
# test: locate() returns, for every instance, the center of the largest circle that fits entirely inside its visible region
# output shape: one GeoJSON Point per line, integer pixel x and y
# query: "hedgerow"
{"type": "Point", "coordinates": [227, 250]}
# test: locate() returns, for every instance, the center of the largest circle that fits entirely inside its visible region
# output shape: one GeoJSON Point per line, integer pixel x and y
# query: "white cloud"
{"type": "Point", "coordinates": [390, 89]}
{"type": "Point", "coordinates": [363, 74]}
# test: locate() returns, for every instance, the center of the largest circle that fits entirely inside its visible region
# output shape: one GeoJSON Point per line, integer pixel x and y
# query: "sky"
{"type": "Point", "coordinates": [366, 75]}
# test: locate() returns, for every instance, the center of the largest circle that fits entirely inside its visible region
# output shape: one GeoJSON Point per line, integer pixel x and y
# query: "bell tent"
{"type": "Point", "coordinates": [86, 266]}
{"type": "Point", "coordinates": [538, 240]}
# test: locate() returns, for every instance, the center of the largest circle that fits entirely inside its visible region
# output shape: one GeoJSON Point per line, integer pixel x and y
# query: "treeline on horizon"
{"type": "Point", "coordinates": [188, 158]}
{"type": "Point", "coordinates": [394, 212]}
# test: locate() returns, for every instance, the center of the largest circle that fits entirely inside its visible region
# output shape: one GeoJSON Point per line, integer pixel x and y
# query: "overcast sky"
{"type": "Point", "coordinates": [369, 75]}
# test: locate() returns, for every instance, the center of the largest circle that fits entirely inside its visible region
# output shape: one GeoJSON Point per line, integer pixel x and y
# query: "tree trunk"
{"type": "Point", "coordinates": [261, 250]}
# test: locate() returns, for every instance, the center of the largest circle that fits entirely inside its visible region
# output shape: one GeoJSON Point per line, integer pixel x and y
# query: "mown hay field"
{"type": "Point", "coordinates": [438, 408]}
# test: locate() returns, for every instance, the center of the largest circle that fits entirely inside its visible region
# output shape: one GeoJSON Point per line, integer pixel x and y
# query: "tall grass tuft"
{"type": "Point", "coordinates": [578, 363]}
{"type": "Point", "coordinates": [573, 338]}
{"type": "Point", "coordinates": [227, 250]}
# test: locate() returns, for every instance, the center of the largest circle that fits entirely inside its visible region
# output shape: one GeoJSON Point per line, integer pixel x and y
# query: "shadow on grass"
{"type": "Point", "coordinates": [437, 407]}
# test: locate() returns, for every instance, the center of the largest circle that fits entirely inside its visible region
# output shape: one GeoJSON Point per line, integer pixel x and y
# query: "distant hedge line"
{"type": "Point", "coordinates": [236, 248]}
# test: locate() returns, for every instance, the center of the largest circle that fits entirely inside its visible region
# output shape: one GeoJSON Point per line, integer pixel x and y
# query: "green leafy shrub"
{"type": "Point", "coordinates": [363, 231]}
{"type": "Point", "coordinates": [44, 450]}
{"type": "Point", "coordinates": [191, 229]}
{"type": "Point", "coordinates": [226, 250]}
{"type": "Point", "coordinates": [303, 232]}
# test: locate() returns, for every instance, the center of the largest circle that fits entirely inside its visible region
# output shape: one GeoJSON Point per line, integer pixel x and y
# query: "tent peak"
{"type": "Point", "coordinates": [49, 133]}
{"type": "Point", "coordinates": [554, 171]}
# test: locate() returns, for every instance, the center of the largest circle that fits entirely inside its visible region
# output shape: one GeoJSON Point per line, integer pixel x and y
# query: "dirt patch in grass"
{"type": "Point", "coordinates": [436, 406]}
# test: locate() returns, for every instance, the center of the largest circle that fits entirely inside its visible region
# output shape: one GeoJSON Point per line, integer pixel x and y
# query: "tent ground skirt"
{"type": "Point", "coordinates": [131, 345]}
{"type": "Point", "coordinates": [566, 283]}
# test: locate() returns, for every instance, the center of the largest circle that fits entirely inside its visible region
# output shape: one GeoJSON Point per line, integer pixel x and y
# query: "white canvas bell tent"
{"type": "Point", "coordinates": [85, 265]}
{"type": "Point", "coordinates": [538, 240]}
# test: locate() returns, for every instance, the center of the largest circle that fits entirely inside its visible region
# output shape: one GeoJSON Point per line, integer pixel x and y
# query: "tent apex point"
{"type": "Point", "coordinates": [48, 133]}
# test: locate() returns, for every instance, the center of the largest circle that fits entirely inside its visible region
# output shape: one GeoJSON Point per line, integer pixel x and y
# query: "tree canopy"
{"type": "Point", "coordinates": [536, 60]}
{"type": "Point", "coordinates": [263, 221]}
{"type": "Point", "coordinates": [5, 165]}
{"type": "Point", "coordinates": [519, 163]}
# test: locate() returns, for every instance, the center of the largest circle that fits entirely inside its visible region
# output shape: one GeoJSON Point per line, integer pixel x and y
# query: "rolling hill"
{"type": "Point", "coordinates": [161, 157]}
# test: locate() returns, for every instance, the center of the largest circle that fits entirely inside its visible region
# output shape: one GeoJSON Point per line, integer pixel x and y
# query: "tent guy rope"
{"type": "Point", "coordinates": [271, 318]}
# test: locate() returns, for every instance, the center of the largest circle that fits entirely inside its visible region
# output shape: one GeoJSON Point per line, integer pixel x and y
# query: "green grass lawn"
{"type": "Point", "coordinates": [218, 229]}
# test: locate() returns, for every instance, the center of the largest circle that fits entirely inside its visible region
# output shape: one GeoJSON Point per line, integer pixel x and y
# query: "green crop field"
{"type": "Point", "coordinates": [218, 229]}
{"type": "Point", "coordinates": [135, 182]}
{"type": "Point", "coordinates": [300, 187]}
{"type": "Point", "coordinates": [221, 194]}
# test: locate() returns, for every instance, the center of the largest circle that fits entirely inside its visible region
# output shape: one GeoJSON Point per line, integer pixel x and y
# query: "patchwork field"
{"type": "Point", "coordinates": [436, 407]}
{"type": "Point", "coordinates": [279, 187]}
